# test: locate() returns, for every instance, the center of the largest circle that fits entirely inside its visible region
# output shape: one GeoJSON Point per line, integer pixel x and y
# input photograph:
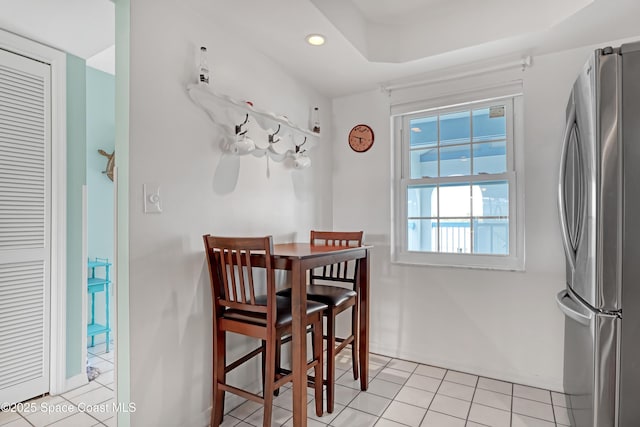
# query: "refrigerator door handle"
{"type": "Point", "coordinates": [571, 313]}
{"type": "Point", "coordinates": [566, 239]}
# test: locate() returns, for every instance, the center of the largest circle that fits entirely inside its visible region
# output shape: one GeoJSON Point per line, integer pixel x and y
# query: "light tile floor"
{"type": "Point", "coordinates": [400, 394]}
{"type": "Point", "coordinates": [64, 410]}
{"type": "Point", "coordinates": [403, 393]}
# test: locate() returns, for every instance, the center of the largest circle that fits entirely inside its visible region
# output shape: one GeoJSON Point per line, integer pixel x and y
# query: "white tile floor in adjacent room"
{"type": "Point", "coordinates": [63, 410]}
{"type": "Point", "coordinates": [404, 393]}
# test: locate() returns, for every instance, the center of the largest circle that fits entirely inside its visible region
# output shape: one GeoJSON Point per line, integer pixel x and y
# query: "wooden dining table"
{"type": "Point", "coordinates": [300, 258]}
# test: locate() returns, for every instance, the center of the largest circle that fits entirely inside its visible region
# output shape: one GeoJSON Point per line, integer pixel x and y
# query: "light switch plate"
{"type": "Point", "coordinates": [151, 194]}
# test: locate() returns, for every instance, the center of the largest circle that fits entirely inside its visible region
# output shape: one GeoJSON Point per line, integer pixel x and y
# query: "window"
{"type": "Point", "coordinates": [458, 198]}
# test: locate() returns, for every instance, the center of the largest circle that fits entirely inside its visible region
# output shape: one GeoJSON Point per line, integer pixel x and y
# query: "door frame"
{"type": "Point", "coordinates": [58, 382]}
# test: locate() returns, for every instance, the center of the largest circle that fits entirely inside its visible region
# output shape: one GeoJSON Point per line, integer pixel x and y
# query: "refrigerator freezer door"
{"type": "Point", "coordinates": [590, 363]}
{"type": "Point", "coordinates": [591, 185]}
{"type": "Point", "coordinates": [578, 177]}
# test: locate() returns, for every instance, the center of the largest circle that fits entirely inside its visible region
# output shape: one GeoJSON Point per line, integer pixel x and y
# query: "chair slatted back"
{"type": "Point", "coordinates": [231, 272]}
{"type": "Point", "coordinates": [342, 272]}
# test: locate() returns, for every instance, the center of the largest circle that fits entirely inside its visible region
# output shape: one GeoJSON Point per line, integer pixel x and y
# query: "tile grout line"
{"type": "Point", "coordinates": [360, 392]}
{"type": "Point", "coordinates": [553, 410]}
{"type": "Point", "coordinates": [386, 365]}
{"type": "Point", "coordinates": [511, 411]}
{"type": "Point", "coordinates": [434, 395]}
{"type": "Point", "coordinates": [471, 402]}
{"type": "Point", "coordinates": [25, 418]}
{"type": "Point", "coordinates": [99, 403]}
{"type": "Point", "coordinates": [401, 387]}
{"type": "Point", "coordinates": [380, 417]}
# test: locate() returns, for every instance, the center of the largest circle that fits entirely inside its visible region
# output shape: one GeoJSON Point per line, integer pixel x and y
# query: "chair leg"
{"type": "Point", "coordinates": [219, 361]}
{"type": "Point", "coordinates": [319, 368]}
{"type": "Point", "coordinates": [355, 331]}
{"type": "Point", "coordinates": [331, 358]}
{"type": "Point", "coordinates": [276, 392]}
{"type": "Point", "coordinates": [263, 357]}
{"type": "Point", "coordinates": [270, 375]}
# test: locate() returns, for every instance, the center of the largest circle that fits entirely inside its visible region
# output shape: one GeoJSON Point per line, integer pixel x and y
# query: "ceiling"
{"type": "Point", "coordinates": [369, 42]}
{"type": "Point", "coordinates": [80, 27]}
{"type": "Point", "coordinates": [381, 11]}
{"type": "Point", "coordinates": [423, 29]}
{"type": "Point", "coordinates": [375, 42]}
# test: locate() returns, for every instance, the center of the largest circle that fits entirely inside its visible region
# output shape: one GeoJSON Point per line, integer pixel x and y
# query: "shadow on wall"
{"type": "Point", "coordinates": [199, 323]}
{"type": "Point", "coordinates": [227, 173]}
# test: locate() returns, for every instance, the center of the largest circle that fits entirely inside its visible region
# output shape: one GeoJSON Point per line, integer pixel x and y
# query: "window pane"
{"type": "Point", "coordinates": [491, 236]}
{"type": "Point", "coordinates": [424, 132]}
{"type": "Point", "coordinates": [489, 123]}
{"type": "Point", "coordinates": [490, 157]}
{"type": "Point", "coordinates": [422, 235]}
{"type": "Point", "coordinates": [495, 199]}
{"type": "Point", "coordinates": [422, 201]}
{"type": "Point", "coordinates": [454, 161]}
{"type": "Point", "coordinates": [455, 128]}
{"type": "Point", "coordinates": [455, 200]}
{"type": "Point", "coordinates": [424, 163]}
{"type": "Point", "coordinates": [455, 235]}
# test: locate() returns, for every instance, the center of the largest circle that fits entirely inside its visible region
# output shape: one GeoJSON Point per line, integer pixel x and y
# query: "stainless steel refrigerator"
{"type": "Point", "coordinates": [599, 199]}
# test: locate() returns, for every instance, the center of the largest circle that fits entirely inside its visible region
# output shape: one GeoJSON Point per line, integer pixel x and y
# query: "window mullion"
{"type": "Point", "coordinates": [438, 189]}
{"type": "Point", "coordinates": [471, 172]}
{"type": "Point", "coordinates": [510, 135]}
{"type": "Point", "coordinates": [405, 141]}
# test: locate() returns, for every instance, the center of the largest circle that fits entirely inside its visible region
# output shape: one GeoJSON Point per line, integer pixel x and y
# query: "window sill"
{"type": "Point", "coordinates": [454, 261]}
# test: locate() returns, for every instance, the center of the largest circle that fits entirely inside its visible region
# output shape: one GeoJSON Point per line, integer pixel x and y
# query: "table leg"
{"type": "Point", "coordinates": [364, 323]}
{"type": "Point", "coordinates": [299, 343]}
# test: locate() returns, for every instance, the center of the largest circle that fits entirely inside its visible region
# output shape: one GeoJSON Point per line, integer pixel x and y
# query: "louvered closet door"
{"type": "Point", "coordinates": [24, 227]}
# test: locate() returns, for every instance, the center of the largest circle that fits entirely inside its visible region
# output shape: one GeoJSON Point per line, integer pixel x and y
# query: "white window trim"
{"type": "Point", "coordinates": [515, 261]}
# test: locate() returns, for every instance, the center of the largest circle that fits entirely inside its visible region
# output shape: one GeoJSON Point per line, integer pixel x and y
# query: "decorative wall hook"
{"type": "Point", "coordinates": [273, 140]}
{"type": "Point", "coordinates": [298, 146]}
{"type": "Point", "coordinates": [110, 163]}
{"type": "Point", "coordinates": [239, 127]}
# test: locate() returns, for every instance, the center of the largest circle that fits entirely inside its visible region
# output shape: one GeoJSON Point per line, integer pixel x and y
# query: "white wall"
{"type": "Point", "coordinates": [173, 143]}
{"type": "Point", "coordinates": [499, 324]}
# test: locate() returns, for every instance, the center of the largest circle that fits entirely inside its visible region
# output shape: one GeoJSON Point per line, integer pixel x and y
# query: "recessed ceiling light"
{"type": "Point", "coordinates": [315, 39]}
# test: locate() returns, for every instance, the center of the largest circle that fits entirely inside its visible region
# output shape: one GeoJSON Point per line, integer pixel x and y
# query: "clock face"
{"type": "Point", "coordinates": [360, 138]}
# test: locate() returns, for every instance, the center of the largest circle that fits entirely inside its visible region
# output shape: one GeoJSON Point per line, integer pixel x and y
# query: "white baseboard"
{"type": "Point", "coordinates": [512, 377]}
{"type": "Point", "coordinates": [202, 419]}
{"type": "Point", "coordinates": [75, 382]}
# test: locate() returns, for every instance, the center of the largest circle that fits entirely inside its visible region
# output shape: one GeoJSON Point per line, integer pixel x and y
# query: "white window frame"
{"type": "Point", "coordinates": [514, 175]}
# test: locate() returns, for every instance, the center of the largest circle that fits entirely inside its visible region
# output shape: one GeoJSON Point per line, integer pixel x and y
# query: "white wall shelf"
{"type": "Point", "coordinates": [229, 113]}
{"type": "Point", "coordinates": [202, 95]}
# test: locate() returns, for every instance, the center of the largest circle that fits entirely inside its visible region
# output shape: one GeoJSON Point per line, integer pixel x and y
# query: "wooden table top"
{"type": "Point", "coordinates": [307, 250]}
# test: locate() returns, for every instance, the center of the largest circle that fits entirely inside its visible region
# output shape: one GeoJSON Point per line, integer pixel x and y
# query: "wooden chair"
{"type": "Point", "coordinates": [237, 308]}
{"type": "Point", "coordinates": [337, 299]}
